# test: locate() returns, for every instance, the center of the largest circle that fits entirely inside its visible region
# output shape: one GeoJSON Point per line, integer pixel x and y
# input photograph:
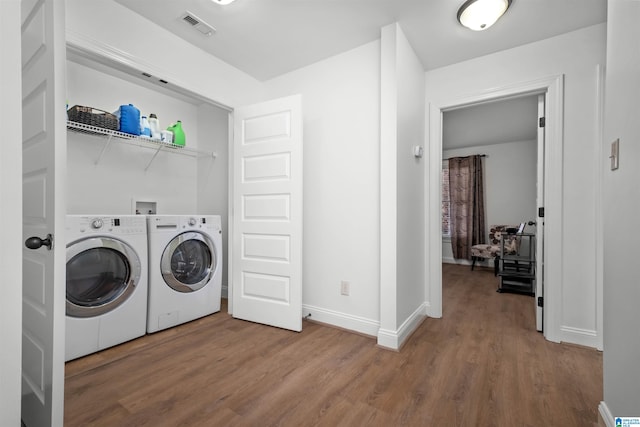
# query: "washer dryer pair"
{"type": "Point", "coordinates": [185, 268]}
{"type": "Point", "coordinates": [131, 274]}
{"type": "Point", "coordinates": [107, 271]}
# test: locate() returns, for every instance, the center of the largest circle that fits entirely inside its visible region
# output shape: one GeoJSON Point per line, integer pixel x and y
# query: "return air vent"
{"type": "Point", "coordinates": [198, 23]}
{"type": "Point", "coordinates": [191, 20]}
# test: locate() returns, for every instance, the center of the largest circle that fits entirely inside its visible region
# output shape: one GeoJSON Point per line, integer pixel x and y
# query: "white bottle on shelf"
{"type": "Point", "coordinates": [154, 125]}
{"type": "Point", "coordinates": [167, 136]}
{"type": "Point", "coordinates": [145, 130]}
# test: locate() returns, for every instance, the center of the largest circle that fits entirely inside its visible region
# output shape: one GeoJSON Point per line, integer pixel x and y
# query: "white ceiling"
{"type": "Point", "coordinates": [267, 38]}
{"type": "Point", "coordinates": [510, 120]}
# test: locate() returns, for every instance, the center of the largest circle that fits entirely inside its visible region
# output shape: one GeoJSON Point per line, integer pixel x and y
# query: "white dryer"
{"type": "Point", "coordinates": [185, 268]}
{"type": "Point", "coordinates": [107, 271]}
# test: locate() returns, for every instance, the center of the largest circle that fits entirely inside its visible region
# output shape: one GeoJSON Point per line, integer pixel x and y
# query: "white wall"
{"type": "Point", "coordinates": [510, 184]}
{"type": "Point", "coordinates": [575, 55]}
{"type": "Point", "coordinates": [388, 186]}
{"type": "Point", "coordinates": [341, 109]}
{"type": "Point", "coordinates": [213, 174]}
{"type": "Point", "coordinates": [410, 182]}
{"type": "Point", "coordinates": [621, 204]}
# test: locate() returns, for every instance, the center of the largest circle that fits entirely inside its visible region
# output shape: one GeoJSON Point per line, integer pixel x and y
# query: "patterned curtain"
{"type": "Point", "coordinates": [466, 189]}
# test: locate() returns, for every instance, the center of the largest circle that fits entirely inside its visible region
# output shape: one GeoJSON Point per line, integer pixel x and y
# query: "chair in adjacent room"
{"type": "Point", "coordinates": [492, 249]}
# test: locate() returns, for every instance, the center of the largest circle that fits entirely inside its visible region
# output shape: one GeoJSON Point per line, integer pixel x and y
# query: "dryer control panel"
{"type": "Point", "coordinates": [184, 222]}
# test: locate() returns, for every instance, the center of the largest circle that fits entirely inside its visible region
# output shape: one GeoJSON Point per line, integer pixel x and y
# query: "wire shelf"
{"type": "Point", "coordinates": [121, 137]}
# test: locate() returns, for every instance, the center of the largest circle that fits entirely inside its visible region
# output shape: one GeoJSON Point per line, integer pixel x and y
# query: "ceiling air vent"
{"type": "Point", "coordinates": [198, 23]}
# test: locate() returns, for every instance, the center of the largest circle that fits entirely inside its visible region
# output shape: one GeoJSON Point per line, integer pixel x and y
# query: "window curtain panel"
{"type": "Point", "coordinates": [466, 187]}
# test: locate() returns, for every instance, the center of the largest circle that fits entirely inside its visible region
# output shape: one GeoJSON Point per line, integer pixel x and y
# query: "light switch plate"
{"type": "Point", "coordinates": [615, 154]}
{"type": "Point", "coordinates": [344, 288]}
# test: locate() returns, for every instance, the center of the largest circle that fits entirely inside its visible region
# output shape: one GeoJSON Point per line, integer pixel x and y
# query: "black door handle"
{"type": "Point", "coordinates": [36, 242]}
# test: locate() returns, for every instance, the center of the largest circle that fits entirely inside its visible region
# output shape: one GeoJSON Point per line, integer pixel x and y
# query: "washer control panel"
{"type": "Point", "coordinates": [125, 225]}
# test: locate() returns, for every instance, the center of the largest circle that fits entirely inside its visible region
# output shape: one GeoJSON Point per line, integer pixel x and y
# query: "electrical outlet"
{"type": "Point", "coordinates": [344, 288]}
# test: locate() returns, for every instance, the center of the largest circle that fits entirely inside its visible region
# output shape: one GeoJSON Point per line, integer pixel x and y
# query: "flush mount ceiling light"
{"type": "Point", "coordinates": [223, 2]}
{"type": "Point", "coordinates": [479, 15]}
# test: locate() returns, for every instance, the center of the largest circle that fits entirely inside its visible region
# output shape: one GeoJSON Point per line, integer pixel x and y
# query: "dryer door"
{"type": "Point", "coordinates": [188, 261]}
{"type": "Point", "coordinates": [102, 272]}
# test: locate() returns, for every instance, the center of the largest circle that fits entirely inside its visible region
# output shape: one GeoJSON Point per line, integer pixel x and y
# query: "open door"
{"type": "Point", "coordinates": [267, 213]}
{"type": "Point", "coordinates": [539, 288]}
{"type": "Point", "coordinates": [43, 210]}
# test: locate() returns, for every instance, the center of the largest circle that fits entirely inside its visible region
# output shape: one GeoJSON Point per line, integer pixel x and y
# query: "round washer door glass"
{"type": "Point", "coordinates": [102, 273]}
{"type": "Point", "coordinates": [188, 261]}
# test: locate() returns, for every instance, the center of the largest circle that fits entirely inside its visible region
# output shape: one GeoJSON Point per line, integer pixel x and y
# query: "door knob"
{"type": "Point", "coordinates": [36, 242]}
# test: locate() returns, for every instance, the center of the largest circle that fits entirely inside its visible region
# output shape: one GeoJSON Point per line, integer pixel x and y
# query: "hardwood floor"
{"type": "Point", "coordinates": [482, 364]}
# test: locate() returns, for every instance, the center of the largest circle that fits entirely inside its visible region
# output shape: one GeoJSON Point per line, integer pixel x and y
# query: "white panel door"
{"type": "Point", "coordinates": [539, 290]}
{"type": "Point", "coordinates": [43, 210]}
{"type": "Point", "coordinates": [267, 213]}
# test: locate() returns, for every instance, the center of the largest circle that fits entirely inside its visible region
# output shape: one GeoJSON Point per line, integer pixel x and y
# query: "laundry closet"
{"type": "Point", "coordinates": [144, 219]}
{"type": "Point", "coordinates": [109, 175]}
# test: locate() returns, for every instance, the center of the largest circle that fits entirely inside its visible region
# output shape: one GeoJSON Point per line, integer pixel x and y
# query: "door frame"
{"type": "Point", "coordinates": [11, 213]}
{"type": "Point", "coordinates": [553, 88]}
{"type": "Point", "coordinates": [539, 246]}
{"type": "Point", "coordinates": [599, 203]}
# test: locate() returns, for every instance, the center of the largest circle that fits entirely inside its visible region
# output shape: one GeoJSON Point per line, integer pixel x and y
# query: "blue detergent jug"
{"type": "Point", "coordinates": [129, 119]}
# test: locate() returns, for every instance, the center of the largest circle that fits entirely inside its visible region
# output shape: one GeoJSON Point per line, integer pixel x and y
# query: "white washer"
{"type": "Point", "coordinates": [107, 269]}
{"type": "Point", "coordinates": [185, 268]}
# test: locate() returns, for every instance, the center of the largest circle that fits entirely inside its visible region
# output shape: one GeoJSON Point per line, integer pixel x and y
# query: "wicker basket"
{"type": "Point", "coordinates": [92, 116]}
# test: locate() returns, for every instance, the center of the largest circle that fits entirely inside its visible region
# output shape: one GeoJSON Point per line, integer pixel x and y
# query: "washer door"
{"type": "Point", "coordinates": [102, 272]}
{"type": "Point", "coordinates": [188, 261]}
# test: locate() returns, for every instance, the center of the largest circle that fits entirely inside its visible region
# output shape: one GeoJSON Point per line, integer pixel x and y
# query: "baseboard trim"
{"type": "Point", "coordinates": [606, 415]}
{"type": "Point", "coordinates": [583, 337]}
{"type": "Point", "coordinates": [342, 320]}
{"type": "Point", "coordinates": [394, 340]}
{"type": "Point", "coordinates": [429, 312]}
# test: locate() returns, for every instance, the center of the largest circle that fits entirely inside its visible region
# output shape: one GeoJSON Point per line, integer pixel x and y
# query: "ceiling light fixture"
{"type": "Point", "coordinates": [479, 15]}
{"type": "Point", "coordinates": [223, 2]}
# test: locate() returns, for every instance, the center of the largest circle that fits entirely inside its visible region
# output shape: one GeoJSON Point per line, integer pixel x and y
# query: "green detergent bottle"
{"type": "Point", "coordinates": [178, 133]}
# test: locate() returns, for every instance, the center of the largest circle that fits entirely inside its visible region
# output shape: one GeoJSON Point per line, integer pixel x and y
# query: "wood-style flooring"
{"type": "Point", "coordinates": [482, 364]}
